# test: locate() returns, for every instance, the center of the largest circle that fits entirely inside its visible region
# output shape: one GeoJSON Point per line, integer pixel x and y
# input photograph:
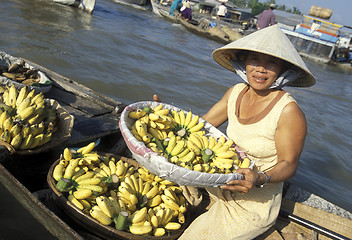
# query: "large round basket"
{"type": "Point", "coordinates": [95, 227]}
{"type": "Point", "coordinates": [64, 128]}
{"type": "Point", "coordinates": [160, 166]}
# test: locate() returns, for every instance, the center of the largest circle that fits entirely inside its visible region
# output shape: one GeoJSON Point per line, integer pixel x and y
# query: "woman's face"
{"type": "Point", "coordinates": [262, 70]}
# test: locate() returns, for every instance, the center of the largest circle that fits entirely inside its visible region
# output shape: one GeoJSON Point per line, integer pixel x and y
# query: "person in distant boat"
{"type": "Point", "coordinates": [267, 124]}
{"type": "Point", "coordinates": [186, 11]}
{"type": "Point", "coordinates": [267, 17]}
{"type": "Point", "coordinates": [176, 4]}
{"type": "Point", "coordinates": [221, 13]}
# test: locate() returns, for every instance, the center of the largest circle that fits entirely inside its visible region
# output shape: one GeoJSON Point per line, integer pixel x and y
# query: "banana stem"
{"type": "Point", "coordinates": [64, 185]}
{"type": "Point", "coordinates": [207, 154]}
{"type": "Point", "coordinates": [121, 221]}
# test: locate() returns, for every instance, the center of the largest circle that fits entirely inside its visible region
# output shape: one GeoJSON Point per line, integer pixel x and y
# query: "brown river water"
{"type": "Point", "coordinates": [129, 54]}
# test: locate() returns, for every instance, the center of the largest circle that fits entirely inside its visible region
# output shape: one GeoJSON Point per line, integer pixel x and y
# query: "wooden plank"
{"type": "Point", "coordinates": [48, 219]}
{"type": "Point", "coordinates": [333, 222]}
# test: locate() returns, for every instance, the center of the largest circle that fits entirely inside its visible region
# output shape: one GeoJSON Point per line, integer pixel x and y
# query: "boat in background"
{"type": "Point", "coordinates": [85, 5]}
{"type": "Point", "coordinates": [319, 39]}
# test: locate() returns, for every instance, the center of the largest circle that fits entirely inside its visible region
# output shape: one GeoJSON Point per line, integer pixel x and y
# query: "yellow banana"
{"type": "Point", "coordinates": [159, 231]}
{"type": "Point", "coordinates": [176, 117]}
{"type": "Point", "coordinates": [188, 158]}
{"type": "Point", "coordinates": [100, 216]}
{"type": "Point", "coordinates": [139, 215]}
{"type": "Point", "coordinates": [171, 145]}
{"type": "Point", "coordinates": [58, 171]}
{"type": "Point", "coordinates": [178, 148]}
{"type": "Point", "coordinates": [152, 192]}
{"type": "Point", "coordinates": [6, 136]}
{"type": "Point", "coordinates": [16, 141]}
{"type": "Point", "coordinates": [82, 193]}
{"type": "Point", "coordinates": [245, 163]}
{"type": "Point", "coordinates": [87, 149]}
{"type": "Point", "coordinates": [156, 200]}
{"type": "Point", "coordinates": [140, 229]}
{"type": "Point", "coordinates": [141, 128]}
{"type": "Point", "coordinates": [225, 154]}
{"type": "Point", "coordinates": [173, 226]}
{"type": "Point", "coordinates": [182, 117]}
{"type": "Point", "coordinates": [197, 127]}
{"type": "Point", "coordinates": [75, 202]}
{"type": "Point", "coordinates": [193, 122]}
{"type": "Point", "coordinates": [196, 140]}
{"type": "Point", "coordinates": [157, 108]}
{"type": "Point", "coordinates": [188, 118]}
{"type": "Point", "coordinates": [137, 114]}
{"type": "Point", "coordinates": [21, 95]}
{"type": "Point", "coordinates": [105, 206]}
{"type": "Point", "coordinates": [193, 147]}
{"type": "Point", "coordinates": [12, 96]}
{"type": "Point", "coordinates": [162, 112]}
{"type": "Point", "coordinates": [170, 203]}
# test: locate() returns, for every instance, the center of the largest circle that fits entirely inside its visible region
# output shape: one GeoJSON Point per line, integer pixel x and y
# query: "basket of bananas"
{"type": "Point", "coordinates": [30, 123]}
{"type": "Point", "coordinates": [180, 146]}
{"type": "Point", "coordinates": [116, 197]}
{"type": "Point", "coordinates": [19, 73]}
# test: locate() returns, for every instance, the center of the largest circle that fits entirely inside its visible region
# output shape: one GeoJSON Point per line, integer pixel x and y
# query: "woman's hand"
{"type": "Point", "coordinates": [156, 98]}
{"type": "Point", "coordinates": [250, 180]}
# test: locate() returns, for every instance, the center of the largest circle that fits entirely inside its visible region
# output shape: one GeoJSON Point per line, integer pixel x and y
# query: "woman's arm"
{"type": "Point", "coordinates": [217, 115]}
{"type": "Point", "coordinates": [289, 140]}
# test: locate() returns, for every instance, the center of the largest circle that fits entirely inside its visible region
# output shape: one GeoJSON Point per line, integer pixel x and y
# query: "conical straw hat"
{"type": "Point", "coordinates": [271, 41]}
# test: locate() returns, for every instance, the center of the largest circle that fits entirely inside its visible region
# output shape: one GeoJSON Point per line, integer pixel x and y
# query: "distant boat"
{"type": "Point", "coordinates": [320, 39]}
{"type": "Point", "coordinates": [85, 5]}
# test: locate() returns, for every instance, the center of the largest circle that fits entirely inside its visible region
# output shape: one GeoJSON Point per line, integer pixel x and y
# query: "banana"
{"type": "Point", "coordinates": [182, 118]}
{"type": "Point", "coordinates": [173, 226]}
{"type": "Point", "coordinates": [245, 163]}
{"type": "Point", "coordinates": [196, 140]}
{"type": "Point", "coordinates": [16, 141]}
{"type": "Point", "coordinates": [100, 216]}
{"type": "Point", "coordinates": [12, 96]}
{"type": "Point", "coordinates": [139, 215]}
{"type": "Point", "coordinates": [70, 169]}
{"type": "Point", "coordinates": [26, 113]}
{"type": "Point", "coordinates": [159, 231]}
{"type": "Point", "coordinates": [58, 171]}
{"type": "Point", "coordinates": [170, 203]}
{"type": "Point", "coordinates": [21, 95]}
{"type": "Point", "coordinates": [193, 147]}
{"type": "Point", "coordinates": [141, 128]}
{"type": "Point", "coordinates": [176, 117]}
{"type": "Point", "coordinates": [25, 131]}
{"type": "Point", "coordinates": [171, 145]}
{"type": "Point", "coordinates": [197, 127]}
{"type": "Point", "coordinates": [23, 105]}
{"type": "Point", "coordinates": [193, 122]}
{"type": "Point", "coordinates": [75, 202]}
{"type": "Point", "coordinates": [37, 140]}
{"type": "Point", "coordinates": [87, 175]}
{"type": "Point", "coordinates": [212, 142]}
{"type": "Point", "coordinates": [188, 118]}
{"type": "Point", "coordinates": [152, 192]}
{"type": "Point", "coordinates": [5, 115]}
{"type": "Point", "coordinates": [137, 114]}
{"type": "Point", "coordinates": [188, 158]}
{"type": "Point", "coordinates": [82, 193]}
{"type": "Point", "coordinates": [178, 148]}
{"type": "Point", "coordinates": [115, 205]}
{"type": "Point", "coordinates": [86, 181]}
{"type": "Point", "coordinates": [225, 154]}
{"type": "Point", "coordinates": [26, 142]}
{"type": "Point", "coordinates": [156, 133]}
{"type": "Point", "coordinates": [223, 163]}
{"type": "Point", "coordinates": [120, 168]}
{"type": "Point", "coordinates": [155, 201]}
{"type": "Point", "coordinates": [162, 112]}
{"type": "Point", "coordinates": [8, 124]}
{"type": "Point", "coordinates": [87, 149]}
{"type": "Point", "coordinates": [6, 136]}
{"type": "Point", "coordinates": [154, 117]}
{"type": "Point", "coordinates": [105, 206]}
{"type": "Point", "coordinates": [140, 229]}
{"type": "Point", "coordinates": [157, 108]}
{"type": "Point", "coordinates": [169, 193]}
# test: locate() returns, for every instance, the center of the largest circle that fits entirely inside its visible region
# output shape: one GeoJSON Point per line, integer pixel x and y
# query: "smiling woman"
{"type": "Point", "coordinates": [267, 123]}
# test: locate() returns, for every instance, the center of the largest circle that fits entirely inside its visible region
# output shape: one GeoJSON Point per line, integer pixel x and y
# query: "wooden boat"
{"type": "Point", "coordinates": [193, 26]}
{"type": "Point", "coordinates": [85, 5]}
{"type": "Point", "coordinates": [96, 117]}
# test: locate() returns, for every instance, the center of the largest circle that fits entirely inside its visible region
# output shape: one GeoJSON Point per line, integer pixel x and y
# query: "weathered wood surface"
{"type": "Point", "coordinates": [95, 114]}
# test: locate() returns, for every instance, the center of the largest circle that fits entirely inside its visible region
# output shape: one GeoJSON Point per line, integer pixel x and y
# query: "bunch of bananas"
{"type": "Point", "coordinates": [114, 193]}
{"type": "Point", "coordinates": [18, 72]}
{"type": "Point", "coordinates": [183, 142]}
{"type": "Point", "coordinates": [26, 121]}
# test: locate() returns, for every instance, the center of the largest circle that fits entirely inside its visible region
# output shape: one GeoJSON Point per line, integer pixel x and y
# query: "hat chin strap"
{"type": "Point", "coordinates": [284, 79]}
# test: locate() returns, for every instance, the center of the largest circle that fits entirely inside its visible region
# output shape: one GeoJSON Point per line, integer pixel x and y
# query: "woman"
{"type": "Point", "coordinates": [267, 124]}
{"type": "Point", "coordinates": [186, 12]}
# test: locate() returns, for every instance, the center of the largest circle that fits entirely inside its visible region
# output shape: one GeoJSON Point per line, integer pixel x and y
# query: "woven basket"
{"type": "Point", "coordinates": [160, 166]}
{"type": "Point", "coordinates": [44, 84]}
{"type": "Point", "coordinates": [94, 226]}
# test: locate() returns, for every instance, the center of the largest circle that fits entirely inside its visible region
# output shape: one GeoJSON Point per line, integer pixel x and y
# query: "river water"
{"type": "Point", "coordinates": [129, 54]}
